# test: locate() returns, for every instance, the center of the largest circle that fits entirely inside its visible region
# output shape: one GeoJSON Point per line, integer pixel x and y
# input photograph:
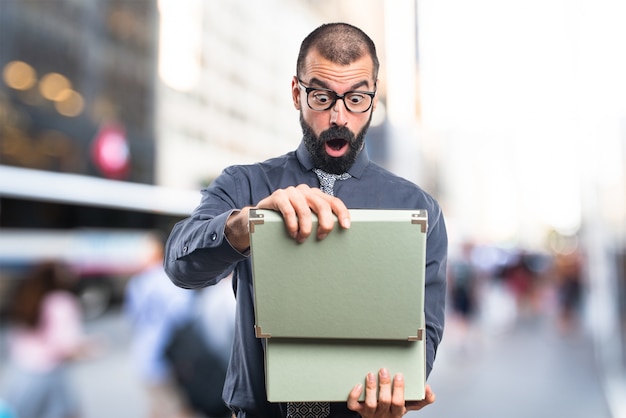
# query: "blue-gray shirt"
{"type": "Point", "coordinates": [197, 253]}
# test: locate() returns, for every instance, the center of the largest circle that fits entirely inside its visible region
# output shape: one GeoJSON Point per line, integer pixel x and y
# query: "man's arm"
{"type": "Point", "coordinates": [435, 286]}
{"type": "Point", "coordinates": [196, 253]}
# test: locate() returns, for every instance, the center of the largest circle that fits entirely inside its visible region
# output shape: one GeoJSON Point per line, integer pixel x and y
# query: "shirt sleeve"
{"type": "Point", "coordinates": [197, 253]}
{"type": "Point", "coordinates": [435, 290]}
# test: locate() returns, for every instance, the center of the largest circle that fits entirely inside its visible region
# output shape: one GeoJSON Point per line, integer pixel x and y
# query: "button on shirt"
{"type": "Point", "coordinates": [199, 255]}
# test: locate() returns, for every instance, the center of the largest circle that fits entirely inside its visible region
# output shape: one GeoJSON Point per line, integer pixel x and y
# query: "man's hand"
{"type": "Point", "coordinates": [296, 204]}
{"type": "Point", "coordinates": [390, 400]}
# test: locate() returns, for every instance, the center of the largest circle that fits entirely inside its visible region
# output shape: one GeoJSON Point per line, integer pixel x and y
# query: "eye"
{"type": "Point", "coordinates": [356, 98]}
{"type": "Point", "coordinates": [321, 97]}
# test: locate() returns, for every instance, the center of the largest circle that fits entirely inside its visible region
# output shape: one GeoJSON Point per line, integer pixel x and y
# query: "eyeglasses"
{"type": "Point", "coordinates": [321, 99]}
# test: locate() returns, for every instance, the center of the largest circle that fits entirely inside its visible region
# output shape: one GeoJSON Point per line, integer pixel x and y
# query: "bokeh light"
{"type": "Point", "coordinates": [53, 86]}
{"type": "Point", "coordinates": [69, 103]}
{"type": "Point", "coordinates": [19, 75]}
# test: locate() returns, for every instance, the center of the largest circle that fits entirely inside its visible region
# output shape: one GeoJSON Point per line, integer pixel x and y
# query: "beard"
{"type": "Point", "coordinates": [316, 146]}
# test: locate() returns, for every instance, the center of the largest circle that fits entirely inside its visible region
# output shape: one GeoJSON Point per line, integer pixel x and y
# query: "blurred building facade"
{"type": "Point", "coordinates": [70, 70]}
{"type": "Point", "coordinates": [224, 91]}
{"type": "Point", "coordinates": [77, 96]}
{"type": "Point", "coordinates": [77, 119]}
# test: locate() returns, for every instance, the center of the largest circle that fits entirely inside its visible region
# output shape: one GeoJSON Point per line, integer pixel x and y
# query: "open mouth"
{"type": "Point", "coordinates": [337, 144]}
{"type": "Point", "coordinates": [336, 147]}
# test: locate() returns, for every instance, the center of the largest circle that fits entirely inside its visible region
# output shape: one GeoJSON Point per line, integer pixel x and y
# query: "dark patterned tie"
{"type": "Point", "coordinates": [327, 180]}
{"type": "Point", "coordinates": [308, 409]}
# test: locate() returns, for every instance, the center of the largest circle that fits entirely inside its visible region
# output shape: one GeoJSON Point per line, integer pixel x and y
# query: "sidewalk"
{"type": "Point", "coordinates": [528, 371]}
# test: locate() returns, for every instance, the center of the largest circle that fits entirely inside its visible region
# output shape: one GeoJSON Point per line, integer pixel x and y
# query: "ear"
{"type": "Point", "coordinates": [295, 92]}
{"type": "Point", "coordinates": [375, 101]}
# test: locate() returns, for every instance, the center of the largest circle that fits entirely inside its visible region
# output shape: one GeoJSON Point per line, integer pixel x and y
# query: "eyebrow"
{"type": "Point", "coordinates": [325, 86]}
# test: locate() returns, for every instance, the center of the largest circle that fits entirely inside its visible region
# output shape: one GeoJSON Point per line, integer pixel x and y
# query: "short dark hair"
{"type": "Point", "coordinates": [340, 43]}
{"type": "Point", "coordinates": [26, 303]}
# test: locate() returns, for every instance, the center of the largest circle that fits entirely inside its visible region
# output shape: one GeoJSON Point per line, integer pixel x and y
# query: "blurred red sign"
{"type": "Point", "coordinates": [110, 152]}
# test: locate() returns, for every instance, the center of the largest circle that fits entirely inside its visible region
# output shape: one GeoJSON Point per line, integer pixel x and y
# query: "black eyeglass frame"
{"type": "Point", "coordinates": [337, 96]}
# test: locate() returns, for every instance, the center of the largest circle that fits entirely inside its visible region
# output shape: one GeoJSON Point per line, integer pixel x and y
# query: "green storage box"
{"type": "Point", "coordinates": [333, 310]}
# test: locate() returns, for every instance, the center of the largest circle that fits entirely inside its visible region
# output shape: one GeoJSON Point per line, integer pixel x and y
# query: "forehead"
{"type": "Point", "coordinates": [336, 75]}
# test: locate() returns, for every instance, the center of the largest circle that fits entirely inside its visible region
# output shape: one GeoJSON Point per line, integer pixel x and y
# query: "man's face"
{"type": "Point", "coordinates": [334, 137]}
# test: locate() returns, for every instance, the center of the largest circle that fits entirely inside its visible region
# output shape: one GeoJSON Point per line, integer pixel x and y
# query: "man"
{"type": "Point", "coordinates": [335, 91]}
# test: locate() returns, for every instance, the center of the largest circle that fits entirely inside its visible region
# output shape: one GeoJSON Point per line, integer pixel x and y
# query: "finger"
{"type": "Point", "coordinates": [341, 211]}
{"type": "Point", "coordinates": [384, 389]}
{"type": "Point", "coordinates": [319, 203]}
{"type": "Point", "coordinates": [303, 215]}
{"type": "Point", "coordinates": [353, 398]}
{"type": "Point", "coordinates": [429, 397]}
{"type": "Point", "coordinates": [337, 211]}
{"type": "Point", "coordinates": [336, 207]}
{"type": "Point", "coordinates": [397, 399]}
{"type": "Point", "coordinates": [371, 389]}
{"type": "Point", "coordinates": [281, 201]}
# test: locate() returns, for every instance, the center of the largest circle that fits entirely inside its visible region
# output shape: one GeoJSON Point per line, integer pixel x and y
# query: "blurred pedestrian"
{"type": "Point", "coordinates": [522, 282]}
{"type": "Point", "coordinates": [45, 334]}
{"type": "Point", "coordinates": [569, 289]}
{"type": "Point", "coordinates": [462, 285]}
{"type": "Point", "coordinates": [155, 308]}
{"type": "Point", "coordinates": [199, 350]}
{"type": "Point", "coordinates": [462, 282]}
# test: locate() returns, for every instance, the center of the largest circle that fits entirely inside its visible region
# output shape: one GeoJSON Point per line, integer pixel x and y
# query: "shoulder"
{"type": "Point", "coordinates": [274, 163]}
{"type": "Point", "coordinates": [249, 176]}
{"type": "Point", "coordinates": [260, 177]}
{"type": "Point", "coordinates": [377, 171]}
{"type": "Point", "coordinates": [400, 189]}
{"type": "Point", "coordinates": [245, 184]}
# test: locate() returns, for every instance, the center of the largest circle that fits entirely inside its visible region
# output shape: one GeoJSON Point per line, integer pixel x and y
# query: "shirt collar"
{"type": "Point", "coordinates": [355, 171]}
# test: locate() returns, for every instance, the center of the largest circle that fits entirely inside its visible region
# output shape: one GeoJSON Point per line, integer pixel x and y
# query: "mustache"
{"type": "Point", "coordinates": [337, 132]}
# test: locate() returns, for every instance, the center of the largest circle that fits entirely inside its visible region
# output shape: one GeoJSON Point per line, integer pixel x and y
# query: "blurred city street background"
{"type": "Point", "coordinates": [115, 113]}
{"type": "Point", "coordinates": [524, 369]}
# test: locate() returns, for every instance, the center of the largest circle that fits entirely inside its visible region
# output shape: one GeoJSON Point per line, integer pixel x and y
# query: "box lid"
{"type": "Point", "coordinates": [366, 282]}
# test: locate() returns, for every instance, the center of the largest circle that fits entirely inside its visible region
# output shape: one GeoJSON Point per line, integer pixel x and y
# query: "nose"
{"type": "Point", "coordinates": [339, 113]}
